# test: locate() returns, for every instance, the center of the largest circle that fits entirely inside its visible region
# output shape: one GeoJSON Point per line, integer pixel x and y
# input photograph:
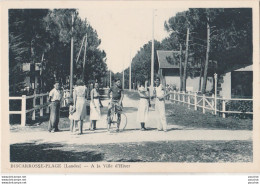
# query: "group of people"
{"type": "Point", "coordinates": [78, 111]}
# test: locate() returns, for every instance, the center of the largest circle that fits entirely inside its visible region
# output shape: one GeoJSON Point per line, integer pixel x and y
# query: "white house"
{"type": "Point", "coordinates": [236, 82]}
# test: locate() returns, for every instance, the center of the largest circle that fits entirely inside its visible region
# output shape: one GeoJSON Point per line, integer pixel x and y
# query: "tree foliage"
{"type": "Point", "coordinates": [44, 36]}
{"type": "Point", "coordinates": [231, 38]}
{"type": "Point", "coordinates": [141, 63]}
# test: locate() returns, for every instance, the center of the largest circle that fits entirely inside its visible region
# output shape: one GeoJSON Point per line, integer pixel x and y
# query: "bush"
{"type": "Point", "coordinates": [241, 106]}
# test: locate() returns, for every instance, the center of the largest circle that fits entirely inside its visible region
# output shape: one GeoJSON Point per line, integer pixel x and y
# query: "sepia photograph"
{"type": "Point", "coordinates": [110, 86]}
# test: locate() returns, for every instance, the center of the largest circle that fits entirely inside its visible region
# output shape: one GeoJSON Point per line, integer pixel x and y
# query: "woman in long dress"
{"type": "Point", "coordinates": [143, 108]}
{"type": "Point", "coordinates": [95, 104]}
{"type": "Point", "coordinates": [79, 99]}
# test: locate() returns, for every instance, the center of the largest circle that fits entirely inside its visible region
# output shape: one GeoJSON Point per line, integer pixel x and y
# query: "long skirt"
{"type": "Point", "coordinates": [54, 116]}
{"type": "Point", "coordinates": [81, 112]}
{"type": "Point", "coordinates": [95, 113]}
{"type": "Point", "coordinates": [160, 117]}
{"type": "Point", "coordinates": [143, 108]}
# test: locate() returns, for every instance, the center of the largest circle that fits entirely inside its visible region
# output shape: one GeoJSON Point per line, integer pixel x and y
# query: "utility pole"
{"type": "Point", "coordinates": [84, 61]}
{"type": "Point", "coordinates": [152, 54]}
{"type": "Point", "coordinates": [206, 62]}
{"type": "Point", "coordinates": [71, 59]}
{"type": "Point", "coordinates": [186, 60]}
{"type": "Point", "coordinates": [181, 77]}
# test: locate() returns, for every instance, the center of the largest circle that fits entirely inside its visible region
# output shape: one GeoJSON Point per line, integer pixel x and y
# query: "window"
{"type": "Point", "coordinates": [242, 84]}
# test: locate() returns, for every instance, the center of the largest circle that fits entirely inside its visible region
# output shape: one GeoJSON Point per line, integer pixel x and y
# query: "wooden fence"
{"type": "Point", "coordinates": [44, 104]}
{"type": "Point", "coordinates": [212, 103]}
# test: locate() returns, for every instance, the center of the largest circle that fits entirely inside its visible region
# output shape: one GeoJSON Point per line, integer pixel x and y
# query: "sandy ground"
{"type": "Point", "coordinates": [130, 134]}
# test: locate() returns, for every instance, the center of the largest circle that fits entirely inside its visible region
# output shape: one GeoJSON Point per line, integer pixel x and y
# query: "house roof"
{"type": "Point", "coordinates": [168, 59]}
{"type": "Point", "coordinates": [238, 67]}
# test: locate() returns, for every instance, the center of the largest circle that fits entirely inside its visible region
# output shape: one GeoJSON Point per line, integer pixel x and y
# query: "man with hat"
{"type": "Point", "coordinates": [55, 97]}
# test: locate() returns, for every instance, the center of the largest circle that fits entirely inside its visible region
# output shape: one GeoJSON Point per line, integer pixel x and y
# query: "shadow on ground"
{"type": "Point", "coordinates": [161, 151]}
{"type": "Point", "coordinates": [31, 152]}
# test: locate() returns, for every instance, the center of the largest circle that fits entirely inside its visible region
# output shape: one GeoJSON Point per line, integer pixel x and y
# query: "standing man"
{"type": "Point", "coordinates": [117, 98]}
{"type": "Point", "coordinates": [55, 98]}
{"type": "Point", "coordinates": [159, 93]}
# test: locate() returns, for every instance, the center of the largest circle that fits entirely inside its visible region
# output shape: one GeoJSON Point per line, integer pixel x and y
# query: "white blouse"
{"type": "Point", "coordinates": [55, 95]}
{"type": "Point", "coordinates": [159, 91]}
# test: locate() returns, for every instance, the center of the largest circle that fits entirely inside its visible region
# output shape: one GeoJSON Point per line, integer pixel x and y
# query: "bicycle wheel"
{"type": "Point", "coordinates": [123, 121]}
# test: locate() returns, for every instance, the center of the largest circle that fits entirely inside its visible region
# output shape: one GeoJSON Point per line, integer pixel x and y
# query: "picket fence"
{"type": "Point", "coordinates": [209, 103]}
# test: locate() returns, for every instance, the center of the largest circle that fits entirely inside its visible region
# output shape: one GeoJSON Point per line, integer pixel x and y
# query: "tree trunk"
{"type": "Point", "coordinates": [201, 71]}
{"type": "Point", "coordinates": [206, 62]}
{"type": "Point", "coordinates": [71, 60]}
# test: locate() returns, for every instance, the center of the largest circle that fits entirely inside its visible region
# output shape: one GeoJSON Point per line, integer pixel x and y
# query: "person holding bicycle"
{"type": "Point", "coordinates": [117, 98]}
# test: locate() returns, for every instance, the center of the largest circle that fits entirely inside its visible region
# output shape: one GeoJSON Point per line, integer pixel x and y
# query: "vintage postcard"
{"type": "Point", "coordinates": [130, 87]}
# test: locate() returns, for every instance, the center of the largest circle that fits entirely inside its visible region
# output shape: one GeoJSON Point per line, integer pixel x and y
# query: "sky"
{"type": "Point", "coordinates": [123, 31]}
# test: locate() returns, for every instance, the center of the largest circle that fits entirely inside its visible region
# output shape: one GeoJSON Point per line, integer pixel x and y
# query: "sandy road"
{"type": "Point", "coordinates": [131, 134]}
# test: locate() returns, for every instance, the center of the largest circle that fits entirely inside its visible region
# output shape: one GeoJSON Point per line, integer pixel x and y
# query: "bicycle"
{"type": "Point", "coordinates": [117, 117]}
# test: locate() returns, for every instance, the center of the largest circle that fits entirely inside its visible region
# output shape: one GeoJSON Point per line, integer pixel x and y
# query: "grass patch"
{"type": "Point", "coordinates": [181, 115]}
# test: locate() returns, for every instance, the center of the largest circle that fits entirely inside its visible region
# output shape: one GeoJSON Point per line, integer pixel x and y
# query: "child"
{"type": "Point", "coordinates": [71, 112]}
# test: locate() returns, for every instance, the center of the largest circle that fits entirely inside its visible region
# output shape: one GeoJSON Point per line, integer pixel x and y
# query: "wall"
{"type": "Point", "coordinates": [192, 84]}
{"type": "Point", "coordinates": [226, 86]}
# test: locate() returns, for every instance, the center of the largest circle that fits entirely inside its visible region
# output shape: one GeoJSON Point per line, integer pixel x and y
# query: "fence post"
{"type": "Point", "coordinates": [174, 96]}
{"type": "Point", "coordinates": [183, 98]}
{"type": "Point", "coordinates": [215, 104]}
{"type": "Point", "coordinates": [189, 99]}
{"type": "Point", "coordinates": [34, 103]}
{"type": "Point", "coordinates": [203, 102]}
{"type": "Point", "coordinates": [212, 103]}
{"type": "Point", "coordinates": [23, 115]}
{"type": "Point", "coordinates": [179, 97]}
{"type": "Point", "coordinates": [195, 101]}
{"type": "Point", "coordinates": [215, 96]}
{"type": "Point", "coordinates": [182, 95]}
{"type": "Point", "coordinates": [41, 103]}
{"type": "Point", "coordinates": [223, 108]}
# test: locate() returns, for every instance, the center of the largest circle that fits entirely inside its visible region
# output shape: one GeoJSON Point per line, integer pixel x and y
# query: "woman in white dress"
{"type": "Point", "coordinates": [143, 108]}
{"type": "Point", "coordinates": [95, 104]}
{"type": "Point", "coordinates": [159, 93]}
{"type": "Point", "coordinates": [79, 98]}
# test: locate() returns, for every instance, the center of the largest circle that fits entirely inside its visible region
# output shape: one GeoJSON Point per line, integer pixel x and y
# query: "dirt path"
{"type": "Point", "coordinates": [131, 134]}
